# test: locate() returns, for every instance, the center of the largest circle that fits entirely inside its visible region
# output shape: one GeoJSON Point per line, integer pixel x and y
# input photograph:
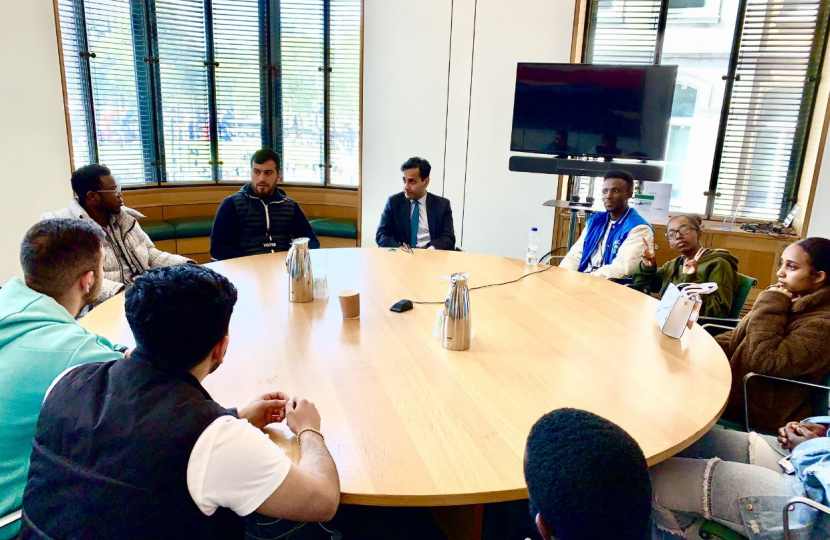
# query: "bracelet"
{"type": "Point", "coordinates": [299, 443]}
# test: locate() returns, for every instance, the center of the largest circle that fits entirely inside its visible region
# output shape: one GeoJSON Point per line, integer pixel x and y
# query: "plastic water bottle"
{"type": "Point", "coordinates": [532, 252]}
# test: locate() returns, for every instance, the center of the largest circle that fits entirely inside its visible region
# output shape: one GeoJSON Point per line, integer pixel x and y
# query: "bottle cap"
{"type": "Point", "coordinates": [534, 229]}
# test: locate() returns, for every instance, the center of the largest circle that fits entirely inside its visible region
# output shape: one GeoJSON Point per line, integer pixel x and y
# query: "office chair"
{"type": "Point", "coordinates": [712, 530]}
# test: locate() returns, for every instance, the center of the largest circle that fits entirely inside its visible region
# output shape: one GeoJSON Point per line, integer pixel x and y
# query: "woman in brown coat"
{"type": "Point", "coordinates": [786, 334]}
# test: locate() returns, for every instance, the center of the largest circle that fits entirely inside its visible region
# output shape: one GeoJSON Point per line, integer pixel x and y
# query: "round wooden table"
{"type": "Point", "coordinates": [410, 423]}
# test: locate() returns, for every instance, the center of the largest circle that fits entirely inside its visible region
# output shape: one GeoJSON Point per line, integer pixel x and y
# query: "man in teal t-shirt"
{"type": "Point", "coordinates": [62, 262]}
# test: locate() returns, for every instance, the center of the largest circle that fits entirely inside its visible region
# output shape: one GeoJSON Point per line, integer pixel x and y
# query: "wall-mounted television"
{"type": "Point", "coordinates": [593, 110]}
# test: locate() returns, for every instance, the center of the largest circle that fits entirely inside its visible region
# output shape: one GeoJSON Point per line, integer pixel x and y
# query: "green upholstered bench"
{"type": "Point", "coordinates": [192, 227]}
{"type": "Point", "coordinates": [335, 227]}
{"type": "Point", "coordinates": [201, 226]}
{"type": "Point", "coordinates": [159, 230]}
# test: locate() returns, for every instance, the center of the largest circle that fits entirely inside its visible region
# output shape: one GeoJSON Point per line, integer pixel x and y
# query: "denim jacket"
{"type": "Point", "coordinates": [762, 515]}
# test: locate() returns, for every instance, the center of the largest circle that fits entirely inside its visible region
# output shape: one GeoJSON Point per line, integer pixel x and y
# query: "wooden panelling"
{"type": "Point", "coordinates": [190, 210]}
{"type": "Point", "coordinates": [331, 242]}
{"type": "Point", "coordinates": [194, 245]}
{"type": "Point", "coordinates": [63, 85]}
{"type": "Point", "coordinates": [322, 211]}
{"type": "Point", "coordinates": [559, 242]}
{"type": "Point", "coordinates": [329, 197]}
{"type": "Point", "coordinates": [151, 213]}
{"type": "Point", "coordinates": [200, 258]}
{"type": "Point", "coordinates": [166, 245]}
{"type": "Point", "coordinates": [758, 256]}
{"type": "Point", "coordinates": [177, 195]}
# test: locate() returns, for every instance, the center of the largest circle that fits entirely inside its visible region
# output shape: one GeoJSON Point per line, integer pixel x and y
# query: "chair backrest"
{"type": "Point", "coordinates": [745, 284]}
{"type": "Point", "coordinates": [820, 402]}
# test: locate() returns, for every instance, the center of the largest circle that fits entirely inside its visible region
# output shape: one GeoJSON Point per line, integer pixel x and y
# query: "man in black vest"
{"type": "Point", "coordinates": [138, 449]}
{"type": "Point", "coordinates": [415, 217]}
{"type": "Point", "coordinates": [260, 218]}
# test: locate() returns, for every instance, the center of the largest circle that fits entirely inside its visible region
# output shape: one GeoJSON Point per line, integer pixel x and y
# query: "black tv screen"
{"type": "Point", "coordinates": [592, 110]}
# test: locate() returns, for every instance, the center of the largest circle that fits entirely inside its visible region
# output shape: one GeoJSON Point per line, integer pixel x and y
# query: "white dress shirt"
{"type": "Point", "coordinates": [423, 224]}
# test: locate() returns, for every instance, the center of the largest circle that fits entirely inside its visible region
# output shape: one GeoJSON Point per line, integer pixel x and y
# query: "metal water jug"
{"type": "Point", "coordinates": [457, 322]}
{"type": "Point", "coordinates": [300, 278]}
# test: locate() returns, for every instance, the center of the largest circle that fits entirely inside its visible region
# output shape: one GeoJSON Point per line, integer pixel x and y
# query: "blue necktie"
{"type": "Point", "coordinates": [413, 220]}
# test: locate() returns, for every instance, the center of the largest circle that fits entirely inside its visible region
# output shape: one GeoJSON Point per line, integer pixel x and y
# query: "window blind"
{"type": "Point", "coordinates": [301, 90]}
{"type": "Point", "coordinates": [76, 68]}
{"type": "Point", "coordinates": [775, 78]}
{"type": "Point", "coordinates": [238, 88]}
{"type": "Point", "coordinates": [344, 93]}
{"type": "Point", "coordinates": [182, 54]}
{"type": "Point", "coordinates": [116, 35]}
{"type": "Point", "coordinates": [622, 32]}
{"type": "Point", "coordinates": [187, 90]}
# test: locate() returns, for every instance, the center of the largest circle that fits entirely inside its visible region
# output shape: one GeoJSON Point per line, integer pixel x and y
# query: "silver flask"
{"type": "Point", "coordinates": [300, 277]}
{"type": "Point", "coordinates": [457, 323]}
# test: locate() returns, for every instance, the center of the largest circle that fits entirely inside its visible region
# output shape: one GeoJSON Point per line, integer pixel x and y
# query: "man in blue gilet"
{"type": "Point", "coordinates": [611, 244]}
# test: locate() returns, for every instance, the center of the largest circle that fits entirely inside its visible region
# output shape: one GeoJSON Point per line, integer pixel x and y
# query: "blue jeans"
{"type": "Point", "coordinates": [714, 478]}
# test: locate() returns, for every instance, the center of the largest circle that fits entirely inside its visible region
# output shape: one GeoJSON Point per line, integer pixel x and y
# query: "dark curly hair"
{"type": "Point", "coordinates": [622, 175]}
{"type": "Point", "coordinates": [587, 477]}
{"type": "Point", "coordinates": [424, 168]}
{"type": "Point", "coordinates": [179, 313]}
{"type": "Point", "coordinates": [86, 179]}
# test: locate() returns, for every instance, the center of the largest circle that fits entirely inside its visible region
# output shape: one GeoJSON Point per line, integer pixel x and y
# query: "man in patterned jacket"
{"type": "Point", "coordinates": [128, 250]}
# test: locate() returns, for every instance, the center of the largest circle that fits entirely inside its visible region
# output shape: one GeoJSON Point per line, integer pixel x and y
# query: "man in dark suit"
{"type": "Point", "coordinates": [415, 217]}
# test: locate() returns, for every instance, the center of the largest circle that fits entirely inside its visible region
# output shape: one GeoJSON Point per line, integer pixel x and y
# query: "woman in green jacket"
{"type": "Point", "coordinates": [696, 264]}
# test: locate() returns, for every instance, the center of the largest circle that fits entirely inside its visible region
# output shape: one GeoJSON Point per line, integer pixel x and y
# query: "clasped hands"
{"type": "Point", "coordinates": [275, 407]}
{"type": "Point", "coordinates": [795, 433]}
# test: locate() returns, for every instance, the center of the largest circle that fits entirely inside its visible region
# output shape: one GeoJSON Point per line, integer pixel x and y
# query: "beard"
{"type": "Point", "coordinates": [264, 190]}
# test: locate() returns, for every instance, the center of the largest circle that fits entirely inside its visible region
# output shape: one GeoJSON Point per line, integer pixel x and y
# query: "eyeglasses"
{"type": "Point", "coordinates": [684, 230]}
{"type": "Point", "coordinates": [116, 190]}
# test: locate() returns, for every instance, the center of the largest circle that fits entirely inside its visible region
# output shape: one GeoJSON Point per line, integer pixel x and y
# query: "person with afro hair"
{"type": "Point", "coordinates": [587, 479]}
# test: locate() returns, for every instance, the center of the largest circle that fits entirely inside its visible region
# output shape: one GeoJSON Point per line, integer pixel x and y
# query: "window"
{"type": "Point", "coordinates": [173, 91]}
{"type": "Point", "coordinates": [687, 4]}
{"type": "Point", "coordinates": [747, 77]}
{"type": "Point", "coordinates": [622, 31]}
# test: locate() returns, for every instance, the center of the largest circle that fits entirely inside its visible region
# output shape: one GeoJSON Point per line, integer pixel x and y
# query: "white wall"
{"type": "Point", "coordinates": [820, 216]}
{"type": "Point", "coordinates": [463, 128]}
{"type": "Point", "coordinates": [405, 59]}
{"type": "Point", "coordinates": [34, 176]}
{"type": "Point", "coordinates": [501, 206]}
